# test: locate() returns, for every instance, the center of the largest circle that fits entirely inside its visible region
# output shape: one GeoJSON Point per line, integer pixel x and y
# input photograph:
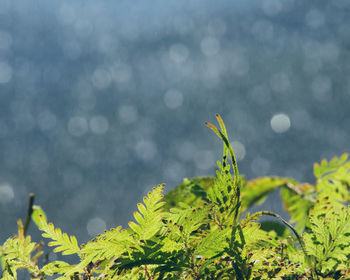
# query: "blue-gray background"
{"type": "Point", "coordinates": [102, 100]}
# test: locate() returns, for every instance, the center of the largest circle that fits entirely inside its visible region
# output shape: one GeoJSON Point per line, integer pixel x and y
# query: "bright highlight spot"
{"type": "Point", "coordinates": [272, 7]}
{"type": "Point", "coordinates": [127, 114]}
{"type": "Point", "coordinates": [96, 226]}
{"type": "Point", "coordinates": [6, 193]}
{"type": "Point", "coordinates": [280, 82]}
{"type": "Point", "coordinates": [46, 120]}
{"type": "Point", "coordinates": [146, 149]}
{"type": "Point", "coordinates": [280, 123]}
{"type": "Point", "coordinates": [262, 30]}
{"type": "Point", "coordinates": [178, 53]}
{"type": "Point", "coordinates": [321, 87]}
{"type": "Point", "coordinates": [238, 149]}
{"type": "Point", "coordinates": [204, 159]}
{"type": "Point", "coordinates": [99, 125]}
{"type": "Point", "coordinates": [210, 46]}
{"type": "Point", "coordinates": [121, 72]}
{"type": "Point", "coordinates": [77, 126]}
{"type": "Point", "coordinates": [173, 98]}
{"type": "Point", "coordinates": [260, 166]}
{"type": "Point", "coordinates": [240, 64]}
{"type": "Point", "coordinates": [101, 78]}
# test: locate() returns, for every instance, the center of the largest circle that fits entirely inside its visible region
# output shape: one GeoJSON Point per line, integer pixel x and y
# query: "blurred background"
{"type": "Point", "coordinates": [103, 100]}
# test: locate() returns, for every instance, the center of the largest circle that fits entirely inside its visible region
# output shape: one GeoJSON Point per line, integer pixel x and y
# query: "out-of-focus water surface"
{"type": "Point", "coordinates": [102, 100]}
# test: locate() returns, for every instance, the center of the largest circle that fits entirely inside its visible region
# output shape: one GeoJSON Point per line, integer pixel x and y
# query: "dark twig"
{"type": "Point", "coordinates": [147, 273]}
{"type": "Point", "coordinates": [299, 238]}
{"type": "Point", "coordinates": [29, 213]}
{"type": "Point", "coordinates": [47, 257]}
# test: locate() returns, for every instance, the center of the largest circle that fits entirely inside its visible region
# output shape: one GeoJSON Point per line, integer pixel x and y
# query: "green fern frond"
{"type": "Point", "coordinates": [9, 275]}
{"type": "Point", "coordinates": [191, 191]}
{"type": "Point", "coordinates": [56, 267]}
{"type": "Point", "coordinates": [16, 253]}
{"type": "Point", "coordinates": [298, 201]}
{"type": "Point", "coordinates": [227, 146]}
{"type": "Point", "coordinates": [171, 244]}
{"type": "Point", "coordinates": [224, 198]}
{"type": "Point", "coordinates": [222, 190]}
{"type": "Point", "coordinates": [325, 167]}
{"type": "Point", "coordinates": [182, 222]}
{"type": "Point", "coordinates": [328, 241]}
{"type": "Point", "coordinates": [269, 264]}
{"type": "Point", "coordinates": [225, 192]}
{"type": "Point", "coordinates": [333, 178]}
{"type": "Point", "coordinates": [213, 243]}
{"type": "Point", "coordinates": [108, 245]}
{"type": "Point", "coordinates": [254, 236]}
{"type": "Point", "coordinates": [255, 191]}
{"type": "Point", "coordinates": [336, 185]}
{"type": "Point", "coordinates": [68, 245]}
{"type": "Point", "coordinates": [38, 214]}
{"type": "Point", "coordinates": [149, 216]}
{"type": "Point", "coordinates": [195, 232]}
{"type": "Point", "coordinates": [74, 269]}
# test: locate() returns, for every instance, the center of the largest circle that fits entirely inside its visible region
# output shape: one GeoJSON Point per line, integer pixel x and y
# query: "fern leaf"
{"type": "Point", "coordinates": [227, 146]}
{"type": "Point", "coordinates": [333, 178]}
{"type": "Point", "coordinates": [254, 192]}
{"type": "Point", "coordinates": [328, 241]}
{"type": "Point", "coordinates": [56, 267]}
{"type": "Point", "coordinates": [78, 268]}
{"type": "Point", "coordinates": [171, 245]}
{"type": "Point", "coordinates": [225, 192]}
{"type": "Point", "coordinates": [9, 275]}
{"type": "Point", "coordinates": [37, 215]}
{"type": "Point", "coordinates": [111, 244]}
{"type": "Point", "coordinates": [16, 254]}
{"type": "Point", "coordinates": [213, 243]}
{"type": "Point", "coordinates": [191, 191]}
{"type": "Point", "coordinates": [325, 167]}
{"type": "Point", "coordinates": [66, 244]}
{"type": "Point", "coordinates": [298, 202]}
{"type": "Point", "coordinates": [149, 216]}
{"type": "Point", "coordinates": [186, 220]}
{"type": "Point", "coordinates": [255, 237]}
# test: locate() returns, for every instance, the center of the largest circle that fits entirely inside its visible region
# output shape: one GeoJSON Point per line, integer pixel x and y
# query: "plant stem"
{"type": "Point", "coordinates": [29, 213]}
{"type": "Point", "coordinates": [269, 213]}
{"type": "Point", "coordinates": [149, 277]}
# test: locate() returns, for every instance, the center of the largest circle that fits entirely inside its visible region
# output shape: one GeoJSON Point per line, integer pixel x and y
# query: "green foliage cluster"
{"type": "Point", "coordinates": [202, 230]}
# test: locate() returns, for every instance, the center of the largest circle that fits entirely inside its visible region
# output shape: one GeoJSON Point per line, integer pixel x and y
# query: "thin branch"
{"type": "Point", "coordinates": [297, 191]}
{"type": "Point", "coordinates": [293, 188]}
{"type": "Point", "coordinates": [29, 213]}
{"type": "Point", "coordinates": [47, 257]}
{"type": "Point", "coordinates": [269, 213]}
{"type": "Point", "coordinates": [149, 277]}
